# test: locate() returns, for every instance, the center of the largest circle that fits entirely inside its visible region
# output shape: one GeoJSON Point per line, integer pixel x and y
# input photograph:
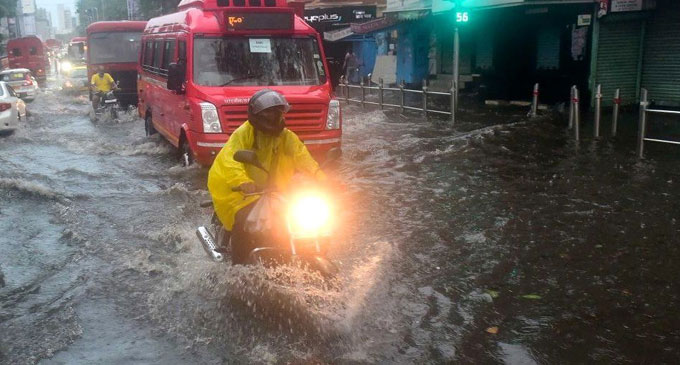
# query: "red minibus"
{"type": "Point", "coordinates": [76, 51]}
{"type": "Point", "coordinates": [28, 52]}
{"type": "Point", "coordinates": [200, 65]}
{"type": "Point", "coordinates": [115, 46]}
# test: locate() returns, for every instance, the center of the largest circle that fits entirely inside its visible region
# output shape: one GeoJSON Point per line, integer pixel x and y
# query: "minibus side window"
{"type": "Point", "coordinates": [157, 56]}
{"type": "Point", "coordinates": [168, 56]}
{"type": "Point", "coordinates": [182, 52]}
{"type": "Point", "coordinates": [148, 56]}
{"type": "Point", "coordinates": [16, 52]}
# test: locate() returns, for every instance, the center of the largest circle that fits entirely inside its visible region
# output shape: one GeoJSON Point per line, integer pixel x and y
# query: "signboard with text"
{"type": "Point", "coordinates": [329, 19]}
{"type": "Point", "coordinates": [625, 5]}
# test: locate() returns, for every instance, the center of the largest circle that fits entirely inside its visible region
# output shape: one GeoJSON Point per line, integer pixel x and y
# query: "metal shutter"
{"type": "Point", "coordinates": [661, 62]}
{"type": "Point", "coordinates": [618, 56]}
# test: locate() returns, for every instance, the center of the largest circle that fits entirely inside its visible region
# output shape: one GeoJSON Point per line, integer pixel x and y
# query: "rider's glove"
{"type": "Point", "coordinates": [248, 187]}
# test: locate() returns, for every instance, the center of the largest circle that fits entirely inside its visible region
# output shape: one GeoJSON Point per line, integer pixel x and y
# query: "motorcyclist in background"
{"type": "Point", "coordinates": [279, 150]}
{"type": "Point", "coordinates": [101, 83]}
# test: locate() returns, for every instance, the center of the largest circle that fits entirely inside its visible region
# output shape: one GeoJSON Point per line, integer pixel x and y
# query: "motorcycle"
{"type": "Point", "coordinates": [108, 104]}
{"type": "Point", "coordinates": [306, 231]}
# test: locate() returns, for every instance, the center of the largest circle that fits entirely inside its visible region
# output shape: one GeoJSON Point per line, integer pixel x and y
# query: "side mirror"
{"type": "Point", "coordinates": [248, 157]}
{"type": "Point", "coordinates": [176, 74]}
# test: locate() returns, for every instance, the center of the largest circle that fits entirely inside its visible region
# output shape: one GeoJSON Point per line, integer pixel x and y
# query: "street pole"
{"type": "Point", "coordinates": [456, 61]}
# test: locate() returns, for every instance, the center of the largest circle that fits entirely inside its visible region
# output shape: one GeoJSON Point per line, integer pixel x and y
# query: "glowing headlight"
{"type": "Point", "coordinates": [309, 216]}
{"type": "Point", "coordinates": [333, 119]}
{"type": "Point", "coordinates": [211, 120]}
{"type": "Point", "coordinates": [66, 66]}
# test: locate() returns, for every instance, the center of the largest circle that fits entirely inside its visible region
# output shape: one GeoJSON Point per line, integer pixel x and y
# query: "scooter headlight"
{"type": "Point", "coordinates": [66, 66]}
{"type": "Point", "coordinates": [211, 120]}
{"type": "Point", "coordinates": [310, 216]}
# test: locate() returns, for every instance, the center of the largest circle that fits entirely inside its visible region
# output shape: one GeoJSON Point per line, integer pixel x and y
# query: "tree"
{"type": "Point", "coordinates": [8, 8]}
{"type": "Point", "coordinates": [90, 11]}
{"type": "Point", "coordinates": [154, 8]}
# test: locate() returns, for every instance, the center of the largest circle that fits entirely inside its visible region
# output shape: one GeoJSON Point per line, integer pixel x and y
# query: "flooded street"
{"type": "Point", "coordinates": [497, 241]}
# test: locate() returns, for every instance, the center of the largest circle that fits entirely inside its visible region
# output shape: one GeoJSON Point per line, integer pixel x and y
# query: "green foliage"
{"type": "Point", "coordinates": [90, 11]}
{"type": "Point", "coordinates": [8, 8]}
{"type": "Point", "coordinates": [154, 8]}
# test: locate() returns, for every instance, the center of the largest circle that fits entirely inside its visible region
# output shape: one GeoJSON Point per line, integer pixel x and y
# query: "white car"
{"type": "Point", "coordinates": [12, 108]}
{"type": "Point", "coordinates": [22, 81]}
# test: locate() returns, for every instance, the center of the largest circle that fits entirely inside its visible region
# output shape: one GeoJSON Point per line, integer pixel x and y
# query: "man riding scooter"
{"type": "Point", "coordinates": [280, 152]}
{"type": "Point", "coordinates": [101, 83]}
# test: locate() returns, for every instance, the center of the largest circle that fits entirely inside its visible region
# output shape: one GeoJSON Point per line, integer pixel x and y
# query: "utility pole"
{"type": "Point", "coordinates": [456, 61]}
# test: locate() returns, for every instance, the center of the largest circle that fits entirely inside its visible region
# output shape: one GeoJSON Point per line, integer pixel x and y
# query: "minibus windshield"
{"type": "Point", "coordinates": [260, 61]}
{"type": "Point", "coordinates": [114, 47]}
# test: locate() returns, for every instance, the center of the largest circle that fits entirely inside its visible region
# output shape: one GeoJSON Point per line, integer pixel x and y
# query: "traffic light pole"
{"type": "Point", "coordinates": [456, 61]}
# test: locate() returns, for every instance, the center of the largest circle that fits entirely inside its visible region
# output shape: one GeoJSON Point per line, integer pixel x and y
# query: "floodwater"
{"type": "Point", "coordinates": [497, 241]}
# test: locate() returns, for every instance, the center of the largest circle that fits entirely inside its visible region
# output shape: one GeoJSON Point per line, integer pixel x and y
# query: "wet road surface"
{"type": "Point", "coordinates": [498, 241]}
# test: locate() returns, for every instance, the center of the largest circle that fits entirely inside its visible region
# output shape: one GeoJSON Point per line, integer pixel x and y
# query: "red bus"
{"type": "Point", "coordinates": [199, 67]}
{"type": "Point", "coordinates": [77, 49]}
{"type": "Point", "coordinates": [115, 46]}
{"type": "Point", "coordinates": [28, 52]}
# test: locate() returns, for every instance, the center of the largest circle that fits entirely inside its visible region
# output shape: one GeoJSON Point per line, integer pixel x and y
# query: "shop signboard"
{"type": "Point", "coordinates": [625, 5]}
{"type": "Point", "coordinates": [328, 19]}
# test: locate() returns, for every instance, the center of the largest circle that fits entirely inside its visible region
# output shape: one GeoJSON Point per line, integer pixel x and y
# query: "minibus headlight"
{"type": "Point", "coordinates": [211, 120]}
{"type": "Point", "coordinates": [333, 120]}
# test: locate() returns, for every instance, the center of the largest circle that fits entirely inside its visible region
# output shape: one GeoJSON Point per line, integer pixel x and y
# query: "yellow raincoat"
{"type": "Point", "coordinates": [290, 154]}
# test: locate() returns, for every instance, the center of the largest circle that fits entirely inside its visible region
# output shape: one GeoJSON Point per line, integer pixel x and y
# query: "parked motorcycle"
{"type": "Point", "coordinates": [307, 226]}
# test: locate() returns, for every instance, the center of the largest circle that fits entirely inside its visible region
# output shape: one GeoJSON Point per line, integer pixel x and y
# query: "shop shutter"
{"type": "Point", "coordinates": [661, 62]}
{"type": "Point", "coordinates": [618, 56]}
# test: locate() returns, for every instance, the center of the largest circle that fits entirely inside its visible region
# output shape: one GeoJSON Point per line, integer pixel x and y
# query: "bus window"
{"type": "Point", "coordinates": [148, 56]}
{"type": "Point", "coordinates": [33, 51]}
{"type": "Point", "coordinates": [182, 51]}
{"type": "Point", "coordinates": [16, 52]}
{"type": "Point", "coordinates": [168, 54]}
{"type": "Point", "coordinates": [157, 55]}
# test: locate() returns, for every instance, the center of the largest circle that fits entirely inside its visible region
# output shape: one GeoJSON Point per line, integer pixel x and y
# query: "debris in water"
{"type": "Point", "coordinates": [531, 296]}
{"type": "Point", "coordinates": [492, 330]}
{"type": "Point", "coordinates": [493, 293]}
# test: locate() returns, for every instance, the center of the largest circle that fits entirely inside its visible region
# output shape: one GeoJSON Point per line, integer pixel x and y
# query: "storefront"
{"type": "Point", "coordinates": [507, 46]}
{"type": "Point", "coordinates": [638, 46]}
{"type": "Point", "coordinates": [334, 25]}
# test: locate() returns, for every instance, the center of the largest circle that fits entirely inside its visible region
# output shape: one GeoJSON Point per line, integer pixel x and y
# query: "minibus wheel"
{"type": "Point", "coordinates": [148, 125]}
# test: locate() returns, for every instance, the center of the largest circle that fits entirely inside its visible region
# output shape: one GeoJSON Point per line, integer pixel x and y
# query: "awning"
{"type": "Point", "coordinates": [336, 35]}
{"type": "Point", "coordinates": [374, 25]}
{"type": "Point", "coordinates": [377, 25]}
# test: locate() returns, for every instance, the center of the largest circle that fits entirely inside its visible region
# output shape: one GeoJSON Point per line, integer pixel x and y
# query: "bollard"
{"type": "Point", "coordinates": [453, 102]}
{"type": "Point", "coordinates": [571, 107]}
{"type": "Point", "coordinates": [534, 101]}
{"type": "Point", "coordinates": [425, 97]}
{"type": "Point", "coordinates": [380, 90]}
{"type": "Point", "coordinates": [401, 102]}
{"type": "Point", "coordinates": [598, 110]}
{"type": "Point", "coordinates": [344, 88]}
{"type": "Point", "coordinates": [576, 115]}
{"type": "Point", "coordinates": [643, 123]}
{"type": "Point", "coordinates": [363, 93]}
{"type": "Point", "coordinates": [368, 83]}
{"type": "Point", "coordinates": [615, 112]}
